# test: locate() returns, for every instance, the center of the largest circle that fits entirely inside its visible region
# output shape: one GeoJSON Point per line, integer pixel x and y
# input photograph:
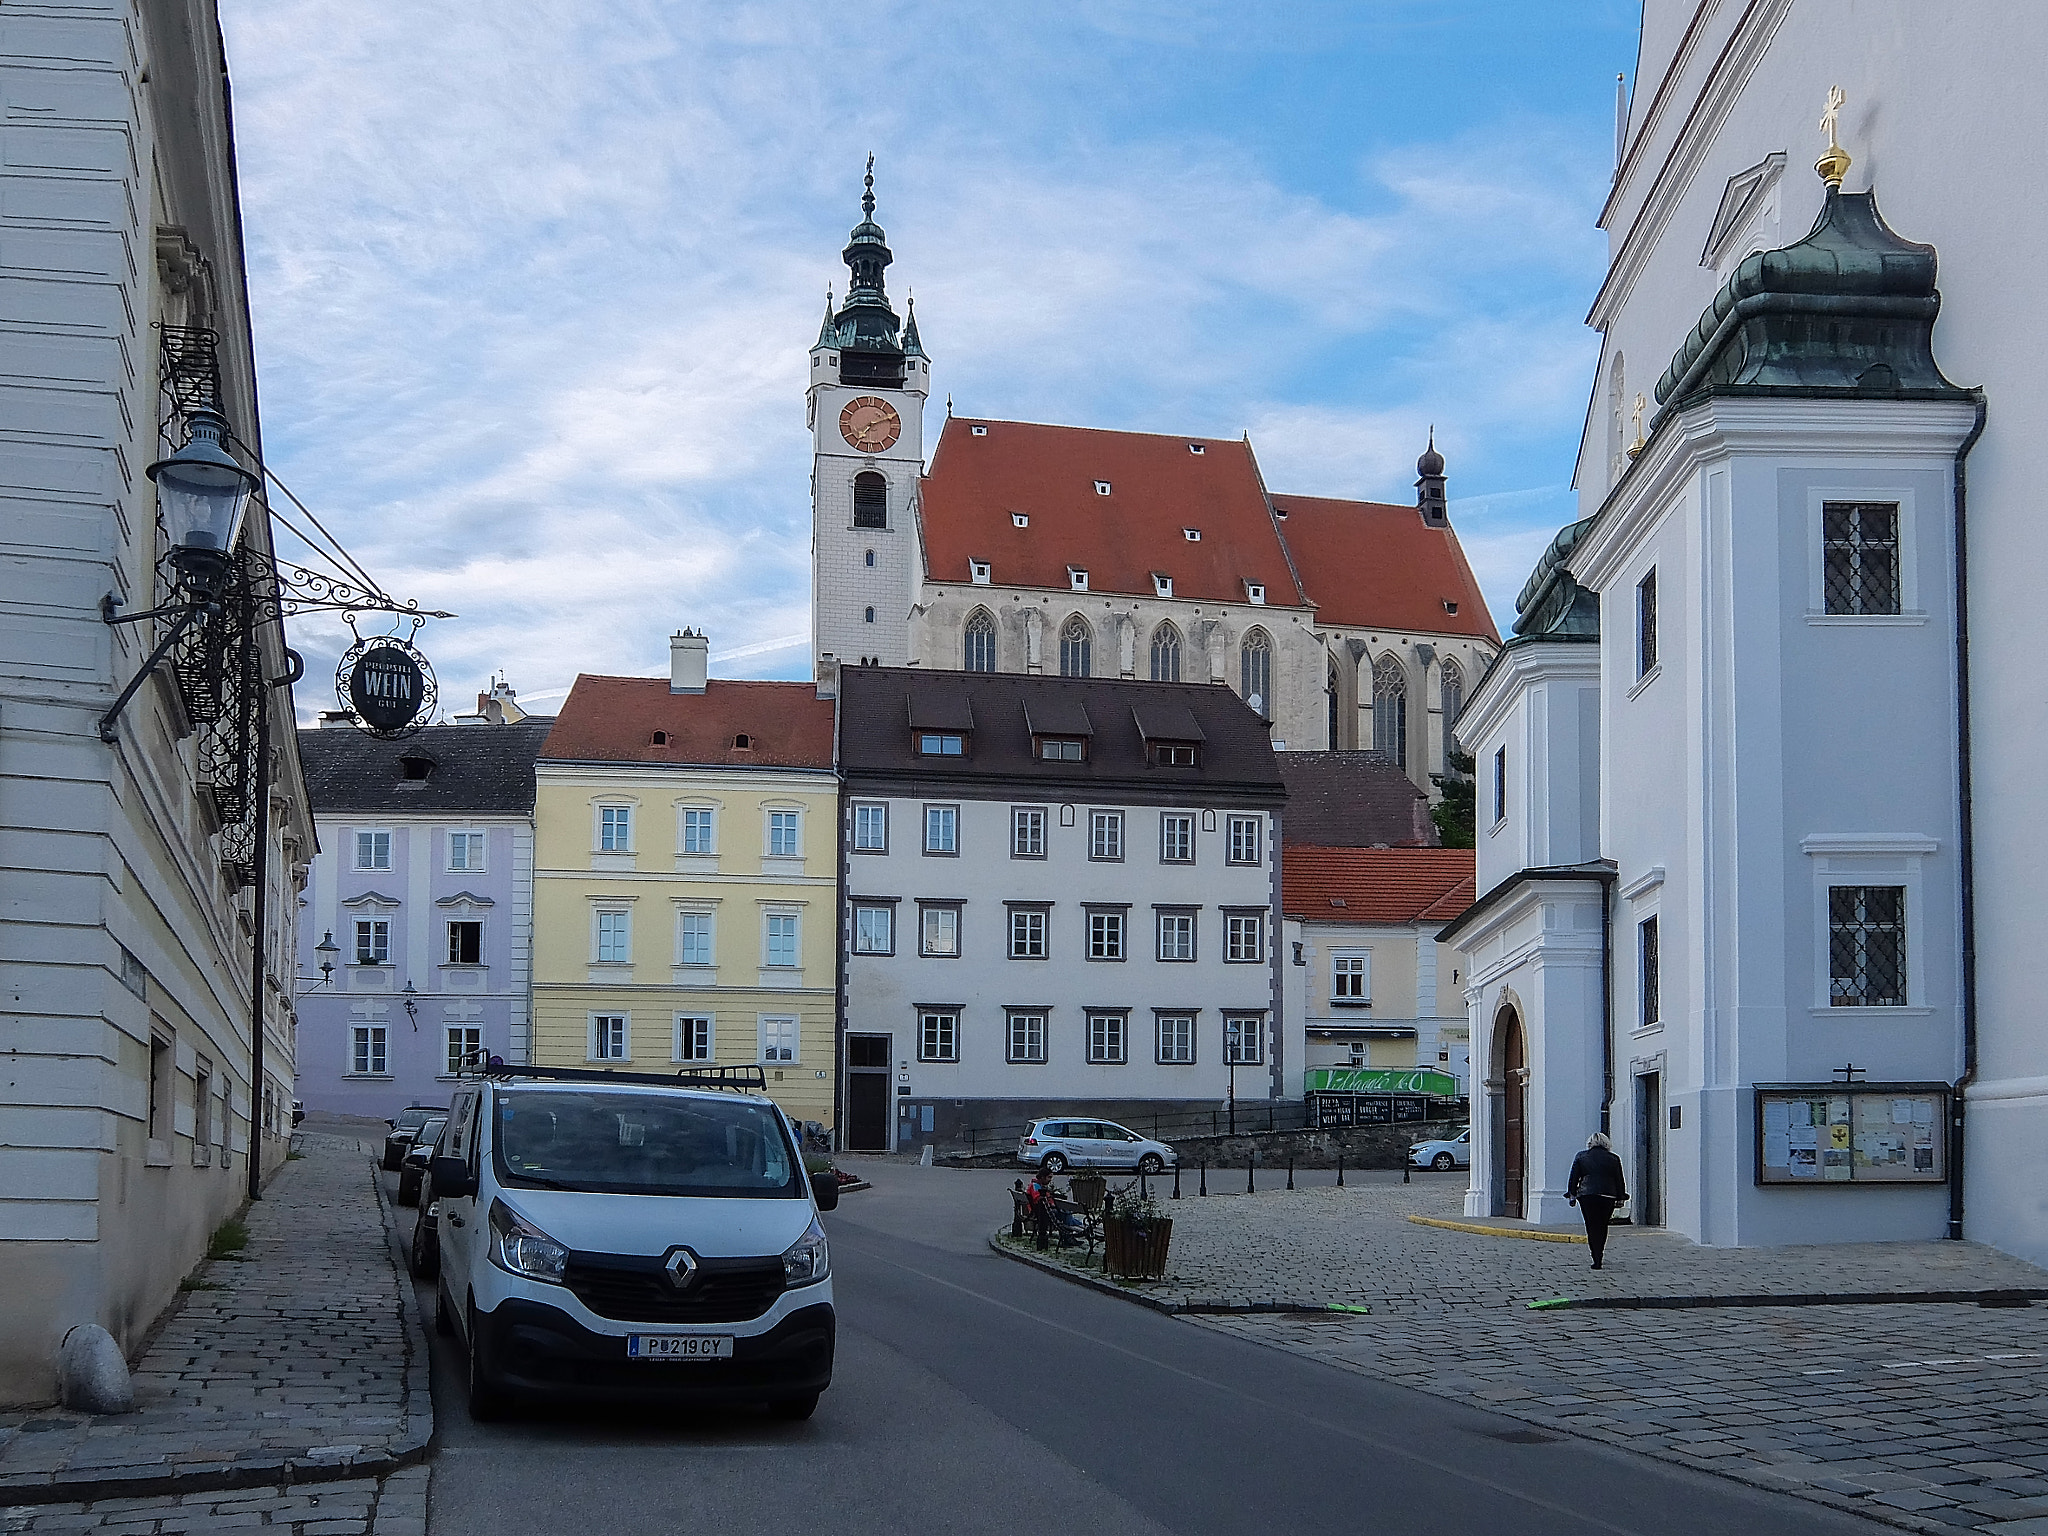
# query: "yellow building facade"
{"type": "Point", "coordinates": [685, 884]}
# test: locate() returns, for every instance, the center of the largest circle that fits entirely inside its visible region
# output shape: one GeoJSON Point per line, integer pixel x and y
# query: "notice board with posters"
{"type": "Point", "coordinates": [1867, 1134]}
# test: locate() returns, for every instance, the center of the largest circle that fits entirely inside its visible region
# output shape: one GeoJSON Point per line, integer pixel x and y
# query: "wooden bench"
{"type": "Point", "coordinates": [1068, 1221]}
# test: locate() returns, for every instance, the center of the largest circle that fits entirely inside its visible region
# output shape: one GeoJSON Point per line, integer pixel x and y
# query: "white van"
{"type": "Point", "coordinates": [622, 1237]}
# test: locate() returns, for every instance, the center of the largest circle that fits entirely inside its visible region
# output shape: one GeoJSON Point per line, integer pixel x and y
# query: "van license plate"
{"type": "Point", "coordinates": [678, 1346]}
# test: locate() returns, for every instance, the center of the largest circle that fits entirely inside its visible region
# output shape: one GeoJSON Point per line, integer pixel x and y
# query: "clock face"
{"type": "Point", "coordinates": [870, 425]}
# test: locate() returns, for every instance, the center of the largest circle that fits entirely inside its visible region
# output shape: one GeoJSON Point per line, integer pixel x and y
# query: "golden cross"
{"type": "Point", "coordinates": [1636, 447]}
{"type": "Point", "coordinates": [1834, 110]}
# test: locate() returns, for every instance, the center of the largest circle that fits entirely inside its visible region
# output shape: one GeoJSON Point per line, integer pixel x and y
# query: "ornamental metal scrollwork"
{"type": "Point", "coordinates": [365, 712]}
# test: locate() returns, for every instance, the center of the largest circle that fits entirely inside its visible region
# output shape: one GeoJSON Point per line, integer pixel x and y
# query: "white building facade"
{"type": "Point", "coordinates": [1758, 890]}
{"type": "Point", "coordinates": [1061, 895]}
{"type": "Point", "coordinates": [131, 1104]}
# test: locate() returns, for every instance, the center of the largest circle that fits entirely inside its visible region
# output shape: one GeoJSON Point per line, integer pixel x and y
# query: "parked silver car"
{"type": "Point", "coordinates": [1444, 1155]}
{"type": "Point", "coordinates": [1059, 1144]}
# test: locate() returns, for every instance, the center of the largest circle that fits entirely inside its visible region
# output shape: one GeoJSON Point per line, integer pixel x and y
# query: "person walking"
{"type": "Point", "coordinates": [1597, 1185]}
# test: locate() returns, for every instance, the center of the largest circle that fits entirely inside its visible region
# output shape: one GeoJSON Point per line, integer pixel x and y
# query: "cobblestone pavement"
{"type": "Point", "coordinates": [1931, 1417]}
{"type": "Point", "coordinates": [393, 1506]}
{"type": "Point", "coordinates": [1356, 1246]}
{"type": "Point", "coordinates": [307, 1367]}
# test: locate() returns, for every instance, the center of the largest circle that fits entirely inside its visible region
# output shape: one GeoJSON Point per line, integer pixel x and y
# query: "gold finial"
{"type": "Point", "coordinates": [1636, 447]}
{"type": "Point", "coordinates": [1833, 165]}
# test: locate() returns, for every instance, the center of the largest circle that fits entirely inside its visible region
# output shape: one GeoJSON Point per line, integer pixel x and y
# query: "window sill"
{"type": "Point", "coordinates": [463, 965]}
{"type": "Point", "coordinates": [202, 1156]}
{"type": "Point", "coordinates": [1638, 1031]}
{"type": "Point", "coordinates": [1656, 671]}
{"type": "Point", "coordinates": [1350, 1002]}
{"type": "Point", "coordinates": [1867, 620]}
{"type": "Point", "coordinates": [157, 1154]}
{"type": "Point", "coordinates": [609, 1061]}
{"type": "Point", "coordinates": [1874, 1011]}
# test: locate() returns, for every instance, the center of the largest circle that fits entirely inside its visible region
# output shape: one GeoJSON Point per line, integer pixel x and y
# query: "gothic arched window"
{"type": "Point", "coordinates": [1255, 671]}
{"type": "Point", "coordinates": [1330, 705]}
{"type": "Point", "coordinates": [1166, 654]}
{"type": "Point", "coordinates": [870, 500]}
{"type": "Point", "coordinates": [1390, 710]}
{"type": "Point", "coordinates": [1454, 701]}
{"type": "Point", "coordinates": [981, 642]}
{"type": "Point", "coordinates": [1077, 645]}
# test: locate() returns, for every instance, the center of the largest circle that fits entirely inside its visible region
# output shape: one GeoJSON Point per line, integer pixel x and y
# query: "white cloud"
{"type": "Point", "coordinates": [533, 284]}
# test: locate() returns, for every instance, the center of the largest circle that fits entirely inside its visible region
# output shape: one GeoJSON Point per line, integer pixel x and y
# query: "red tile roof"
{"type": "Point", "coordinates": [1376, 885]}
{"type": "Point", "coordinates": [1158, 487]}
{"type": "Point", "coordinates": [1368, 565]}
{"type": "Point", "coordinates": [614, 720]}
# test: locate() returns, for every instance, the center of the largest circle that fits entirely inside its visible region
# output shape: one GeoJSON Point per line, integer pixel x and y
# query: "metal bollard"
{"type": "Point", "coordinates": [1406, 1164]}
{"type": "Point", "coordinates": [1290, 1173]}
{"type": "Point", "coordinates": [1205, 1176]}
{"type": "Point", "coordinates": [1340, 1167]}
{"type": "Point", "coordinates": [1144, 1188]}
{"type": "Point", "coordinates": [1250, 1187]}
{"type": "Point", "coordinates": [1176, 1181]}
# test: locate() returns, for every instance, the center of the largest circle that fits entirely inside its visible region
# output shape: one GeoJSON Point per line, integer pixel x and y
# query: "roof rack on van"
{"type": "Point", "coordinates": [740, 1079]}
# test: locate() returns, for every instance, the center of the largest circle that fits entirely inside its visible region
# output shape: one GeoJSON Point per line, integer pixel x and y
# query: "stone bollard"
{"type": "Point", "coordinates": [92, 1375]}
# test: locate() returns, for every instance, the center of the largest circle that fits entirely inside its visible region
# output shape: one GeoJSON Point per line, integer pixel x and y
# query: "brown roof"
{"type": "Point", "coordinates": [615, 719]}
{"type": "Point", "coordinates": [1368, 565]}
{"type": "Point", "coordinates": [1353, 800]}
{"type": "Point", "coordinates": [1376, 885]}
{"type": "Point", "coordinates": [1158, 487]}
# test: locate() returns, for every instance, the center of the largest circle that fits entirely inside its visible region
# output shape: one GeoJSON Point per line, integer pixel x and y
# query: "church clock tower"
{"type": "Point", "coordinates": [869, 380]}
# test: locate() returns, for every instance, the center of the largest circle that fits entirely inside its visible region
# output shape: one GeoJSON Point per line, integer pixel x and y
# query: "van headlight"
{"type": "Point", "coordinates": [807, 1260]}
{"type": "Point", "coordinates": [521, 1248]}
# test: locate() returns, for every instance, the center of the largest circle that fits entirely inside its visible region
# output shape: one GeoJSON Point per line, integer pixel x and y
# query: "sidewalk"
{"type": "Point", "coordinates": [307, 1366]}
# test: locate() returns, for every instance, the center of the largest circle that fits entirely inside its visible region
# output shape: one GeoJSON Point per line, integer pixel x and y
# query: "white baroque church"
{"type": "Point", "coordinates": [1760, 831]}
{"type": "Point", "coordinates": [1072, 551]}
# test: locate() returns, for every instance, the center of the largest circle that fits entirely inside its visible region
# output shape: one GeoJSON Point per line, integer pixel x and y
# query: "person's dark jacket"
{"type": "Point", "coordinates": [1597, 1171]}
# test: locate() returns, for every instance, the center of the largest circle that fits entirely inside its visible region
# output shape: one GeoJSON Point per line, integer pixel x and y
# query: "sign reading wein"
{"type": "Point", "coordinates": [387, 685]}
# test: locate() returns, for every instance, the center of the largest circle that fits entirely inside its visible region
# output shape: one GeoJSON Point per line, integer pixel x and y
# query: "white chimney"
{"type": "Point", "coordinates": [689, 661]}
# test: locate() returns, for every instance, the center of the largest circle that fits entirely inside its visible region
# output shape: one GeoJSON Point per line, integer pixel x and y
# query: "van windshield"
{"type": "Point", "coordinates": [644, 1144]}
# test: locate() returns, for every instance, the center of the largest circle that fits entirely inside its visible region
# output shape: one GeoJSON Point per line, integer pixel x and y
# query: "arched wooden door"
{"type": "Point", "coordinates": [1515, 1100]}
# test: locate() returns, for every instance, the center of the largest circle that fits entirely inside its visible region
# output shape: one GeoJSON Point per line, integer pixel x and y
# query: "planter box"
{"type": "Point", "coordinates": [1136, 1251]}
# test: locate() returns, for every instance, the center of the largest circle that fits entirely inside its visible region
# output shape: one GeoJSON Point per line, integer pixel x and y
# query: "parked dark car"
{"type": "Point", "coordinates": [423, 1258]}
{"type": "Point", "coordinates": [404, 1129]}
{"type": "Point", "coordinates": [412, 1167]}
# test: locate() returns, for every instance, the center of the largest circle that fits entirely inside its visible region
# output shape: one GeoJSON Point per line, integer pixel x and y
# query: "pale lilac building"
{"type": "Point", "coordinates": [424, 879]}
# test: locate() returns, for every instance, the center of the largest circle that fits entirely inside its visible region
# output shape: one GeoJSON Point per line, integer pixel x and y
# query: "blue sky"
{"type": "Point", "coordinates": [533, 282]}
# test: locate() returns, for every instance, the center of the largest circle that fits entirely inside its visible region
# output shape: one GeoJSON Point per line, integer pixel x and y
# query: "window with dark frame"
{"type": "Point", "coordinates": [871, 829]}
{"type": "Point", "coordinates": [1244, 937]}
{"type": "Point", "coordinates": [1062, 749]}
{"type": "Point", "coordinates": [1244, 839]}
{"type": "Point", "coordinates": [1106, 836]}
{"type": "Point", "coordinates": [939, 930]}
{"type": "Point", "coordinates": [1172, 754]}
{"type": "Point", "coordinates": [1108, 1038]}
{"type": "Point", "coordinates": [1176, 1039]}
{"type": "Point", "coordinates": [1027, 1035]}
{"type": "Point", "coordinates": [1106, 933]}
{"type": "Point", "coordinates": [160, 1058]}
{"type": "Point", "coordinates": [941, 744]}
{"type": "Point", "coordinates": [1650, 983]}
{"type": "Point", "coordinates": [1500, 786]}
{"type": "Point", "coordinates": [1860, 557]}
{"type": "Point", "coordinates": [1176, 838]}
{"type": "Point", "coordinates": [870, 500]}
{"type": "Point", "coordinates": [1027, 832]}
{"type": "Point", "coordinates": [1027, 933]}
{"type": "Point", "coordinates": [1646, 623]}
{"type": "Point", "coordinates": [874, 928]}
{"type": "Point", "coordinates": [1867, 946]}
{"type": "Point", "coordinates": [942, 829]}
{"type": "Point", "coordinates": [466, 943]}
{"type": "Point", "coordinates": [938, 1034]}
{"type": "Point", "coordinates": [1176, 935]}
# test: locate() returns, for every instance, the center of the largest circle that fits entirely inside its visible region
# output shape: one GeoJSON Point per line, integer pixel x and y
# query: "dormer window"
{"type": "Point", "coordinates": [661, 738]}
{"type": "Point", "coordinates": [417, 768]}
{"type": "Point", "coordinates": [1162, 585]}
{"type": "Point", "coordinates": [1254, 592]}
{"type": "Point", "coordinates": [1020, 519]}
{"type": "Point", "coordinates": [1077, 578]}
{"type": "Point", "coordinates": [1102, 487]}
{"type": "Point", "coordinates": [980, 572]}
{"type": "Point", "coordinates": [979, 431]}
{"type": "Point", "coordinates": [743, 742]}
{"type": "Point", "coordinates": [1449, 606]}
{"type": "Point", "coordinates": [1062, 749]}
{"type": "Point", "coordinates": [1192, 535]}
{"type": "Point", "coordinates": [941, 744]}
{"type": "Point", "coordinates": [1172, 754]}
{"type": "Point", "coordinates": [1196, 447]}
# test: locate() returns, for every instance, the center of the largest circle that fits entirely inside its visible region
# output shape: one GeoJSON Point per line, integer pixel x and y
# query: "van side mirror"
{"type": "Point", "coordinates": [824, 1189]}
{"type": "Point", "coordinates": [451, 1178]}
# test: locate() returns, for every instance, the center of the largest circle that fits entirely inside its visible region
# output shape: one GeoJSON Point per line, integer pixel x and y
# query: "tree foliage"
{"type": "Point", "coordinates": [1456, 815]}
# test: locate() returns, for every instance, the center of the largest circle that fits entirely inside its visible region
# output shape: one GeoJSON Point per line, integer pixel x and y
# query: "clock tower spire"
{"type": "Point", "coordinates": [868, 384]}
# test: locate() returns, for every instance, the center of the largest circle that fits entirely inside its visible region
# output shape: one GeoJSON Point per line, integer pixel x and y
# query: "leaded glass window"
{"type": "Point", "coordinates": [1166, 654]}
{"type": "Point", "coordinates": [1255, 671]}
{"type": "Point", "coordinates": [1867, 946]}
{"type": "Point", "coordinates": [1077, 645]}
{"type": "Point", "coordinates": [1390, 710]}
{"type": "Point", "coordinates": [981, 642]}
{"type": "Point", "coordinates": [1861, 549]}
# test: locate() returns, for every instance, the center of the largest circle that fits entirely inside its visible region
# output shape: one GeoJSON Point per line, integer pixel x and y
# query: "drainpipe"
{"type": "Point", "coordinates": [1607, 900]}
{"type": "Point", "coordinates": [1966, 853]}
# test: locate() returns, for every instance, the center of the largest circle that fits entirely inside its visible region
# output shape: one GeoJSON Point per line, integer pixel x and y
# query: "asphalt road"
{"type": "Point", "coordinates": [972, 1394]}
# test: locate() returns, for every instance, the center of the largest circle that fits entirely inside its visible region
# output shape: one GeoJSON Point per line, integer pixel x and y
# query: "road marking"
{"type": "Point", "coordinates": [1393, 1447]}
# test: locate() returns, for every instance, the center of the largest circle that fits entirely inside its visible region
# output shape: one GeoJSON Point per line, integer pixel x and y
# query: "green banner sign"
{"type": "Point", "coordinates": [1382, 1080]}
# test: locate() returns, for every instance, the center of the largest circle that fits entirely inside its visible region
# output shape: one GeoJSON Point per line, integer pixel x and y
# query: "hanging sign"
{"type": "Point", "coordinates": [388, 685]}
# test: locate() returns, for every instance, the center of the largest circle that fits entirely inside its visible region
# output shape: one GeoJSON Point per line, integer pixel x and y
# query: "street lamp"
{"type": "Point", "coordinates": [326, 949]}
{"type": "Point", "coordinates": [202, 494]}
{"type": "Point", "coordinates": [412, 1011]}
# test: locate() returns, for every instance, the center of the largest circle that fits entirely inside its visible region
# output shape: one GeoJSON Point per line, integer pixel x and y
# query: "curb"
{"type": "Point", "coordinates": [150, 1481]}
{"type": "Point", "coordinates": [1155, 1303]}
{"type": "Point", "coordinates": [2000, 1298]}
{"type": "Point", "coordinates": [1531, 1236]}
